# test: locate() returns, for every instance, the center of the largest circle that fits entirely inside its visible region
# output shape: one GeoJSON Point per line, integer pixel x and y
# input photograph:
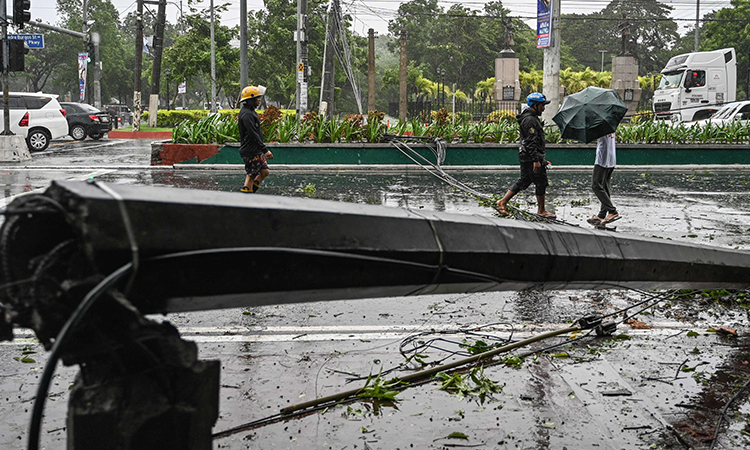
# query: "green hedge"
{"type": "Point", "coordinates": [169, 119]}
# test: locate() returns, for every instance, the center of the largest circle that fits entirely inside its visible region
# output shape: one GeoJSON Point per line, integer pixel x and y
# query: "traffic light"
{"type": "Point", "coordinates": [21, 13]}
{"type": "Point", "coordinates": [16, 55]}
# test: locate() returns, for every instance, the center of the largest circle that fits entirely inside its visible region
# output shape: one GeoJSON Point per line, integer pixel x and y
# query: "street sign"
{"type": "Point", "coordinates": [32, 40]}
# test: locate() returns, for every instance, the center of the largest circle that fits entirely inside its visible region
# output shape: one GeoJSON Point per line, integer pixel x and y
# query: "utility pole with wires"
{"type": "Point", "coordinates": [302, 69]}
{"type": "Point", "coordinates": [327, 82]}
{"type": "Point", "coordinates": [138, 66]}
{"type": "Point", "coordinates": [243, 44]}
{"type": "Point", "coordinates": [697, 22]}
{"type": "Point", "coordinates": [339, 43]}
{"type": "Point", "coordinates": [213, 63]}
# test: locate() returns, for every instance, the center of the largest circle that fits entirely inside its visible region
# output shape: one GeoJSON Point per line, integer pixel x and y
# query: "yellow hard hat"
{"type": "Point", "coordinates": [252, 92]}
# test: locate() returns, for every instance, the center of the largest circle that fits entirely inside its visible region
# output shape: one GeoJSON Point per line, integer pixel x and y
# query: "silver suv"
{"type": "Point", "coordinates": [37, 117]}
{"type": "Point", "coordinates": [123, 113]}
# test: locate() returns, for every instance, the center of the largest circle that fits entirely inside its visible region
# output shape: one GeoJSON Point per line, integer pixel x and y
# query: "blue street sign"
{"type": "Point", "coordinates": [32, 40]}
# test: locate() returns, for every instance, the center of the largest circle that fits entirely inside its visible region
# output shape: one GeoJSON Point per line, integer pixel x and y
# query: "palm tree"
{"type": "Point", "coordinates": [531, 81]}
{"type": "Point", "coordinates": [485, 89]}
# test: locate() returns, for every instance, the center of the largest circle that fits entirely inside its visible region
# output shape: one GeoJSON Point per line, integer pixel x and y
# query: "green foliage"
{"type": "Point", "coordinates": [477, 384]}
{"type": "Point", "coordinates": [380, 389]}
{"type": "Point", "coordinates": [477, 347]}
{"type": "Point", "coordinates": [501, 116]}
{"type": "Point", "coordinates": [208, 130]}
{"type": "Point", "coordinates": [650, 25]}
{"type": "Point", "coordinates": [169, 119]}
{"type": "Point", "coordinates": [190, 56]}
{"type": "Point", "coordinates": [375, 128]}
{"type": "Point", "coordinates": [513, 361]}
{"type": "Point", "coordinates": [353, 128]}
{"type": "Point", "coordinates": [308, 190]}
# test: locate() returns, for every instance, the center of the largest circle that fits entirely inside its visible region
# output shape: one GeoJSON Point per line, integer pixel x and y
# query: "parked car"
{"type": "Point", "coordinates": [123, 113]}
{"type": "Point", "coordinates": [729, 113]}
{"type": "Point", "coordinates": [37, 117]}
{"type": "Point", "coordinates": [85, 120]}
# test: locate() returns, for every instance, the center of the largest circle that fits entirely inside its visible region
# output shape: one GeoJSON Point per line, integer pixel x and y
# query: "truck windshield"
{"type": "Point", "coordinates": [671, 80]}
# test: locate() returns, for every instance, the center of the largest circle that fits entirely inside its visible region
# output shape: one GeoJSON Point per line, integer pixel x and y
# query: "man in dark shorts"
{"type": "Point", "coordinates": [252, 149]}
{"type": "Point", "coordinates": [531, 155]}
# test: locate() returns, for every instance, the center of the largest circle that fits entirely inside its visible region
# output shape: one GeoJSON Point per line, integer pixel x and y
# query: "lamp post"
{"type": "Point", "coordinates": [602, 52]}
{"type": "Point", "coordinates": [167, 72]}
{"type": "Point", "coordinates": [441, 93]}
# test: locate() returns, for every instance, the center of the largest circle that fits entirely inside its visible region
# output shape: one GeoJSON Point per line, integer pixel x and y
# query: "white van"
{"type": "Point", "coordinates": [37, 117]}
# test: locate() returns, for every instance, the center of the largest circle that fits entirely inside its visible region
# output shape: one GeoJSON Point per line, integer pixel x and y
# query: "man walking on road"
{"type": "Point", "coordinates": [252, 149]}
{"type": "Point", "coordinates": [531, 155]}
{"type": "Point", "coordinates": [604, 165]}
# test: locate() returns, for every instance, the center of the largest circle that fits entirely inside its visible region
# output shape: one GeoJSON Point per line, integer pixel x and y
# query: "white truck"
{"type": "Point", "coordinates": [695, 85]}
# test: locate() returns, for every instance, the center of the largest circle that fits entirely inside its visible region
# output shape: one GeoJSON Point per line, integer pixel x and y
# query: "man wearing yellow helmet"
{"type": "Point", "coordinates": [252, 149]}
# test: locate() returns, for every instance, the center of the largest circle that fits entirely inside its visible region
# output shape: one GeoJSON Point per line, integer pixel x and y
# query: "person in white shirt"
{"type": "Point", "coordinates": [604, 165]}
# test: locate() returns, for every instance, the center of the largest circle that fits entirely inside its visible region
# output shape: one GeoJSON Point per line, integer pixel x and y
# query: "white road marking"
{"type": "Point", "coordinates": [374, 332]}
{"type": "Point", "coordinates": [5, 201]}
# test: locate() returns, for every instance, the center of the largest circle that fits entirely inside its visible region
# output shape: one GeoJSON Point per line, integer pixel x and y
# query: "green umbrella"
{"type": "Point", "coordinates": [590, 114]}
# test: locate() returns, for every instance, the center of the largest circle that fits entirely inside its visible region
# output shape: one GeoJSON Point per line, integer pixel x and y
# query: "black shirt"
{"type": "Point", "coordinates": [251, 136]}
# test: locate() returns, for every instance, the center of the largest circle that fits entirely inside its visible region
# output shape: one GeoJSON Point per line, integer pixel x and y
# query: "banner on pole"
{"type": "Point", "coordinates": [83, 59]}
{"type": "Point", "coordinates": [182, 88]}
{"type": "Point", "coordinates": [543, 23]}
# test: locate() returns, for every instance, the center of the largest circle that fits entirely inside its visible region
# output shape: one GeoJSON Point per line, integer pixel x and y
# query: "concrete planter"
{"type": "Point", "coordinates": [167, 154]}
{"type": "Point", "coordinates": [487, 154]}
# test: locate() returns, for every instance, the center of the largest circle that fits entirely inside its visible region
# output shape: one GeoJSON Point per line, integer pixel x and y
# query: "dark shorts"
{"type": "Point", "coordinates": [528, 176]}
{"type": "Point", "coordinates": [254, 164]}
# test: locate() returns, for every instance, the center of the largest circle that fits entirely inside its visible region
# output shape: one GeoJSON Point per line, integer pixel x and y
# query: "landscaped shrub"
{"type": "Point", "coordinates": [353, 128]}
{"type": "Point", "coordinates": [501, 116]}
{"type": "Point", "coordinates": [218, 128]}
{"type": "Point", "coordinates": [642, 116]}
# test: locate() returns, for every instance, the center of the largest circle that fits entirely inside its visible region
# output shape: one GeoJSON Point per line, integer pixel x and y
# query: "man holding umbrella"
{"type": "Point", "coordinates": [531, 155]}
{"type": "Point", "coordinates": [595, 113]}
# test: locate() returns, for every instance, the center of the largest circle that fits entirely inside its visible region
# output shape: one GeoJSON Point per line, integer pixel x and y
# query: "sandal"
{"type": "Point", "coordinates": [596, 220]}
{"type": "Point", "coordinates": [611, 218]}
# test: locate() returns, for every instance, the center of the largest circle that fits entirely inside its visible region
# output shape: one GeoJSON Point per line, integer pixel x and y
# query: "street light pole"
{"type": "Point", "coordinates": [442, 91]}
{"type": "Point", "coordinates": [602, 52]}
{"type": "Point", "coordinates": [167, 72]}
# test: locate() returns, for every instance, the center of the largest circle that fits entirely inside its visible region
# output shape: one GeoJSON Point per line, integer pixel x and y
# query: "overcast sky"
{"type": "Point", "coordinates": [376, 13]}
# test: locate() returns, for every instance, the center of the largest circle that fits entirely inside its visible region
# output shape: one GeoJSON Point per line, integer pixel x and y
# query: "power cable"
{"type": "Point", "coordinates": [54, 356]}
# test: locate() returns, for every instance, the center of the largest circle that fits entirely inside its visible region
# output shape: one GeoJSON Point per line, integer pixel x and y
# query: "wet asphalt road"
{"type": "Point", "coordinates": [658, 387]}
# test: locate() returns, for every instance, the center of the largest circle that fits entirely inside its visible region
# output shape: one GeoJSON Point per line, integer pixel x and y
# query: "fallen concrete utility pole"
{"type": "Point", "coordinates": [84, 261]}
{"type": "Point", "coordinates": [301, 250]}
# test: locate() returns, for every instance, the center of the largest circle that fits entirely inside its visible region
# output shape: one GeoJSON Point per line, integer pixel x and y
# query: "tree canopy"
{"type": "Point", "coordinates": [461, 39]}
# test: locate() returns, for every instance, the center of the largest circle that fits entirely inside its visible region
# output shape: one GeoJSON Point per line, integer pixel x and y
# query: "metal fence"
{"type": "Point", "coordinates": [475, 110]}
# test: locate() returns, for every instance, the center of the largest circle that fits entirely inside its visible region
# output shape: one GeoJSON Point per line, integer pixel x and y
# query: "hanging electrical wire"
{"type": "Point", "coordinates": [343, 51]}
{"type": "Point", "coordinates": [439, 149]}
